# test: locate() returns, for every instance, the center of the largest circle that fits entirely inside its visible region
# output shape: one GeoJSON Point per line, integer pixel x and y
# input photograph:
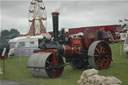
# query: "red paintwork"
{"type": "Point", "coordinates": [105, 28]}
{"type": "Point", "coordinates": [68, 50]}
{"type": "Point", "coordinates": [81, 29]}
{"type": "Point", "coordinates": [53, 51]}
{"type": "Point", "coordinates": [90, 35]}
{"type": "Point", "coordinates": [111, 28]}
{"type": "Point", "coordinates": [74, 47]}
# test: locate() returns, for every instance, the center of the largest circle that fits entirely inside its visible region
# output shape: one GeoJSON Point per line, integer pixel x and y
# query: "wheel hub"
{"type": "Point", "coordinates": [102, 55]}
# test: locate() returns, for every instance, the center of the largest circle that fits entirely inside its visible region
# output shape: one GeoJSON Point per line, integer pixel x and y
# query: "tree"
{"type": "Point", "coordinates": [13, 33]}
{"type": "Point", "coordinates": [10, 34]}
{"type": "Point", "coordinates": [5, 33]}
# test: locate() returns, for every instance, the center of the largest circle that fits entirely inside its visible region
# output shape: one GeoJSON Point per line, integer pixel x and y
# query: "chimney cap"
{"type": "Point", "coordinates": [55, 13]}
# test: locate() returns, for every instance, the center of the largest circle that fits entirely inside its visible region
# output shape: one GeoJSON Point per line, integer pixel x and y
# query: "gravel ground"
{"type": "Point", "coordinates": [8, 82]}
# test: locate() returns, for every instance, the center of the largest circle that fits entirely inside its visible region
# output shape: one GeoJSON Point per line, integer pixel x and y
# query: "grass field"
{"type": "Point", "coordinates": [16, 70]}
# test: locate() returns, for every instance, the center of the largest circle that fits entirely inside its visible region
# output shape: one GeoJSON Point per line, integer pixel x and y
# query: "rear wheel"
{"type": "Point", "coordinates": [99, 55]}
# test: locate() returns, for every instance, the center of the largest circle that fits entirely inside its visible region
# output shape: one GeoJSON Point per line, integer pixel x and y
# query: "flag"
{"type": "Point", "coordinates": [120, 20]}
{"type": "Point", "coordinates": [125, 19]}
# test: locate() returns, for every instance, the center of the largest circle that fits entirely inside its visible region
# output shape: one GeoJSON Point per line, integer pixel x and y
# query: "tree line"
{"type": "Point", "coordinates": [10, 34]}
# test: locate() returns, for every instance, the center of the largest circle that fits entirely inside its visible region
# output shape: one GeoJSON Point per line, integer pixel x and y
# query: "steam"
{"type": "Point", "coordinates": [60, 8]}
{"type": "Point", "coordinates": [66, 6]}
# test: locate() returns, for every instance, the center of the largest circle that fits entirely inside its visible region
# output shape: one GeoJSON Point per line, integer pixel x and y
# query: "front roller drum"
{"type": "Point", "coordinates": [42, 65]}
{"type": "Point", "coordinates": [100, 55]}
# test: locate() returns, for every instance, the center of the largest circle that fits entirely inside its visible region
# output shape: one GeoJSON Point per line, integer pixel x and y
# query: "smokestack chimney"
{"type": "Point", "coordinates": [55, 17]}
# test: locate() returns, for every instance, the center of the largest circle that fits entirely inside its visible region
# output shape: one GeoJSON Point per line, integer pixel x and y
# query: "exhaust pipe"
{"type": "Point", "coordinates": [55, 17]}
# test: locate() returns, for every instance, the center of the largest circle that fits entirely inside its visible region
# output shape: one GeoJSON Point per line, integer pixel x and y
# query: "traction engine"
{"type": "Point", "coordinates": [80, 51]}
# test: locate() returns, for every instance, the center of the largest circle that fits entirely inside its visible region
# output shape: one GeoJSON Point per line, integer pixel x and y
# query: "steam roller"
{"type": "Point", "coordinates": [80, 51]}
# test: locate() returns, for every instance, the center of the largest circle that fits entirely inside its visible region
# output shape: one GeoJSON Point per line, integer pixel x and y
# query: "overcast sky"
{"type": "Point", "coordinates": [73, 13]}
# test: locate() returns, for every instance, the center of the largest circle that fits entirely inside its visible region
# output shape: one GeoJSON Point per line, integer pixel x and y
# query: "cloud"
{"type": "Point", "coordinates": [73, 13]}
{"type": "Point", "coordinates": [86, 13]}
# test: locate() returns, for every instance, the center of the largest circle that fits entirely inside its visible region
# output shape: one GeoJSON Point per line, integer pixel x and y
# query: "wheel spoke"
{"type": "Point", "coordinates": [100, 46]}
{"type": "Point", "coordinates": [98, 50]}
{"type": "Point", "coordinates": [103, 50]}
